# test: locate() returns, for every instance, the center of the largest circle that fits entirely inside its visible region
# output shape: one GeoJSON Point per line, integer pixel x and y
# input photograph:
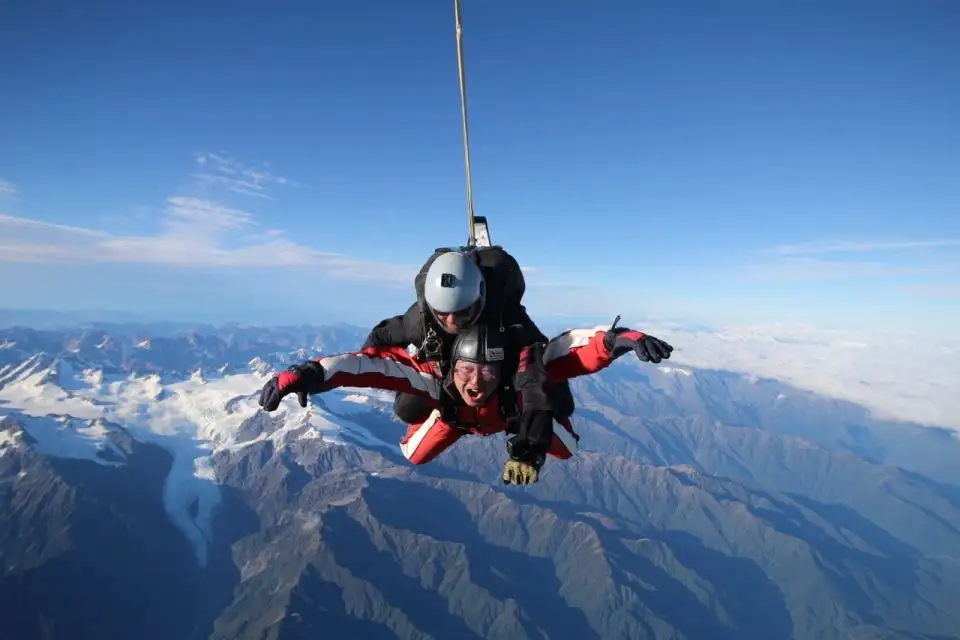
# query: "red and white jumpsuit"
{"type": "Point", "coordinates": [578, 352]}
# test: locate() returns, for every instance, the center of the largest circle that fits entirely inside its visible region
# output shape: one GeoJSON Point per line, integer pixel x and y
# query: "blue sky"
{"type": "Point", "coordinates": [746, 162]}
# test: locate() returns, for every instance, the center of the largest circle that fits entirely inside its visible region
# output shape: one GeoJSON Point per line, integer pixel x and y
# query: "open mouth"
{"type": "Point", "coordinates": [473, 394]}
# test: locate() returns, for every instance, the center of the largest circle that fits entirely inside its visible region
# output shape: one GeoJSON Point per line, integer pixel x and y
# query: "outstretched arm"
{"type": "Point", "coordinates": [577, 352]}
{"type": "Point", "coordinates": [389, 369]}
{"type": "Point", "coordinates": [581, 352]}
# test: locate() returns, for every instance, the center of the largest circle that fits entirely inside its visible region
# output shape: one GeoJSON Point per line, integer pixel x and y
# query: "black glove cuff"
{"type": "Point", "coordinates": [523, 450]}
{"type": "Point", "coordinates": [534, 438]}
{"type": "Point", "coordinates": [610, 339]}
{"type": "Point", "coordinates": [311, 375]}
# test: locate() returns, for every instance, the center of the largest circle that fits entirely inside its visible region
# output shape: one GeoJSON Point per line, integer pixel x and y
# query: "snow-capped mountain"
{"type": "Point", "coordinates": [187, 395]}
{"type": "Point", "coordinates": [138, 476]}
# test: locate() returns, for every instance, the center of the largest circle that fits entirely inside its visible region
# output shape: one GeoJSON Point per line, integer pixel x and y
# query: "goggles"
{"type": "Point", "coordinates": [462, 319]}
{"type": "Point", "coordinates": [469, 370]}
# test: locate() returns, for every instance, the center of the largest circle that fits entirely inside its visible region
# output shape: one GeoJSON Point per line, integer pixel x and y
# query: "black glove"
{"type": "Point", "coordinates": [620, 340]}
{"type": "Point", "coordinates": [527, 450]}
{"type": "Point", "coordinates": [301, 379]}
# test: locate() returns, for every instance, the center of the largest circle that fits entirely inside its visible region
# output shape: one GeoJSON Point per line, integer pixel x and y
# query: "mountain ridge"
{"type": "Point", "coordinates": [700, 506]}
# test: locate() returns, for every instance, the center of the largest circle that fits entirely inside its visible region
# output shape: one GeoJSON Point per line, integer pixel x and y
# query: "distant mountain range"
{"type": "Point", "coordinates": [144, 495]}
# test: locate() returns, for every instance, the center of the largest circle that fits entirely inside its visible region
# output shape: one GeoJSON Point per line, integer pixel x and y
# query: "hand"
{"type": "Point", "coordinates": [527, 450]}
{"type": "Point", "coordinates": [301, 379]}
{"type": "Point", "coordinates": [648, 349]}
{"type": "Point", "coordinates": [520, 473]}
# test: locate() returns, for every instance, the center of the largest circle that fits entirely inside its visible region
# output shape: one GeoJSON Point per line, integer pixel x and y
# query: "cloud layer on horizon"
{"type": "Point", "coordinates": [898, 376]}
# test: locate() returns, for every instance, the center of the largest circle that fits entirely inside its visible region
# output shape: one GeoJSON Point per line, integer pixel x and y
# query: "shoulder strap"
{"type": "Point", "coordinates": [509, 407]}
{"type": "Point", "coordinates": [448, 410]}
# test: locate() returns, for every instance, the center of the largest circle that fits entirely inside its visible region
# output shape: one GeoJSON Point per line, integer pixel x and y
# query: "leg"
{"type": "Point", "coordinates": [565, 440]}
{"type": "Point", "coordinates": [562, 399]}
{"type": "Point", "coordinates": [426, 440]}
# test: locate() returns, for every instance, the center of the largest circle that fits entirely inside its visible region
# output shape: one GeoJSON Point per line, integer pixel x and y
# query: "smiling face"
{"type": "Point", "coordinates": [475, 382]}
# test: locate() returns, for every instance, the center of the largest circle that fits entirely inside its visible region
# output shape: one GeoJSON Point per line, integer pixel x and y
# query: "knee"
{"type": "Point", "coordinates": [411, 408]}
{"type": "Point", "coordinates": [418, 458]}
{"type": "Point", "coordinates": [417, 455]}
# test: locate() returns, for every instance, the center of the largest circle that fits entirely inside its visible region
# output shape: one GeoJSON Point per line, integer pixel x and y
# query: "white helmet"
{"type": "Point", "coordinates": [454, 284]}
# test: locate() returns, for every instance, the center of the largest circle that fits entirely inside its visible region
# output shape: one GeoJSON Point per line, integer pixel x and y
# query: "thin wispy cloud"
{"type": "Point", "coordinates": [199, 232]}
{"type": "Point", "coordinates": [203, 216]}
{"type": "Point", "coordinates": [194, 233]}
{"type": "Point", "coordinates": [538, 277]}
{"type": "Point", "coordinates": [935, 291]}
{"type": "Point", "coordinates": [8, 189]}
{"type": "Point", "coordinates": [851, 260]}
{"type": "Point", "coordinates": [223, 170]}
{"type": "Point", "coordinates": [807, 269]}
{"type": "Point", "coordinates": [848, 246]}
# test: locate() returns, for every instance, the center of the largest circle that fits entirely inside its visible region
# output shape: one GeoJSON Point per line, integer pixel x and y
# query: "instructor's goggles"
{"type": "Point", "coordinates": [462, 319]}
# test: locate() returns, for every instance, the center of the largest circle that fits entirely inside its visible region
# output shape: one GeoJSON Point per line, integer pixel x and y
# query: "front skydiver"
{"type": "Point", "coordinates": [458, 289]}
{"type": "Point", "coordinates": [481, 406]}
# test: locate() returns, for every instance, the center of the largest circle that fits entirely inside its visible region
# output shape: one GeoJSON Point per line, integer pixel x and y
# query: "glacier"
{"type": "Point", "coordinates": [69, 408]}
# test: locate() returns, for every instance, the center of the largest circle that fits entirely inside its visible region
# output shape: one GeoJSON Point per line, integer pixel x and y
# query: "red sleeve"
{"type": "Point", "coordinates": [387, 368]}
{"type": "Point", "coordinates": [578, 352]}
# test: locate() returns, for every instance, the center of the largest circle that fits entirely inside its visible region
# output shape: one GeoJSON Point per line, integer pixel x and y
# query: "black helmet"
{"type": "Point", "coordinates": [479, 344]}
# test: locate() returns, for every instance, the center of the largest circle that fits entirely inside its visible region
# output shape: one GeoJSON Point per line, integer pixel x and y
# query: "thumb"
{"type": "Point", "coordinates": [302, 397]}
{"type": "Point", "coordinates": [641, 350]}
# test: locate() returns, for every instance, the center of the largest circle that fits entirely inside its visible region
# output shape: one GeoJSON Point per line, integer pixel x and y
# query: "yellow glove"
{"type": "Point", "coordinates": [516, 472]}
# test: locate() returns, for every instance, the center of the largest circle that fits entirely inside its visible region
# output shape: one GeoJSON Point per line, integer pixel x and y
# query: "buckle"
{"type": "Point", "coordinates": [431, 349]}
{"type": "Point", "coordinates": [465, 428]}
